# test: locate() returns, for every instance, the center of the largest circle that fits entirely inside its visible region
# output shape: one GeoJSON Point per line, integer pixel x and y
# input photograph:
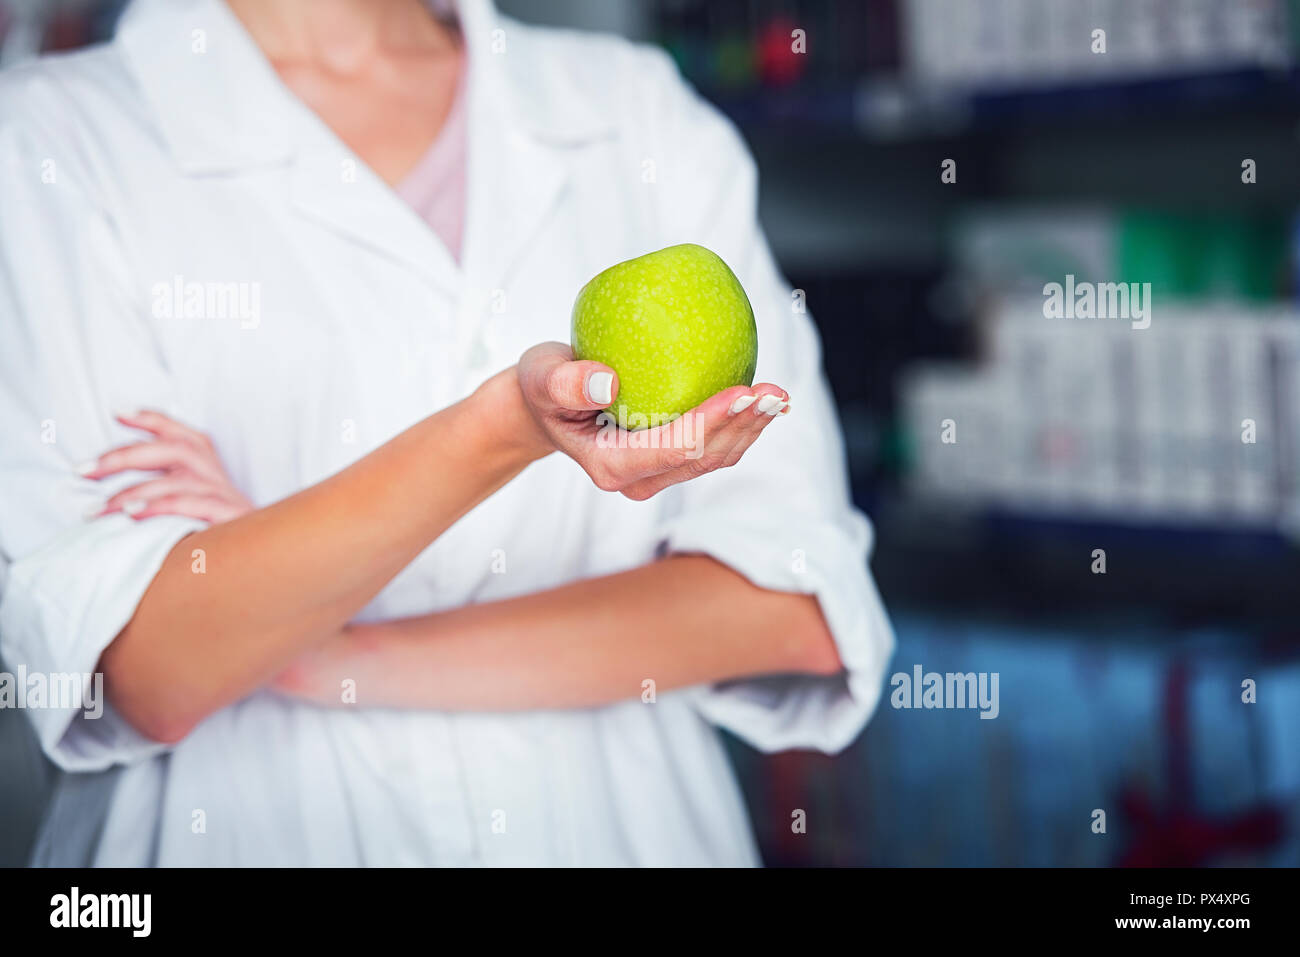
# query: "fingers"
{"type": "Point", "coordinates": [713, 435]}
{"type": "Point", "coordinates": [132, 500]}
{"type": "Point", "coordinates": [203, 507]}
{"type": "Point", "coordinates": [731, 420]}
{"type": "Point", "coordinates": [550, 376]}
{"type": "Point", "coordinates": [751, 414]}
{"type": "Point", "coordinates": [194, 482]}
{"type": "Point", "coordinates": [764, 399]}
{"type": "Point", "coordinates": [725, 451]}
{"type": "Point", "coordinates": [152, 456]}
{"type": "Point", "coordinates": [163, 426]}
{"type": "Point", "coordinates": [177, 495]}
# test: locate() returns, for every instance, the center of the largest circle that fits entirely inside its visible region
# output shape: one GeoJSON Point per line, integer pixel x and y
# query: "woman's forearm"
{"type": "Point", "coordinates": [682, 621]}
{"type": "Point", "coordinates": [282, 577]}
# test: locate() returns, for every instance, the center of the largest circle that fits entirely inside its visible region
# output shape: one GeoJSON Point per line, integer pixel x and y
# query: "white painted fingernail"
{"type": "Point", "coordinates": [93, 511]}
{"type": "Point", "coordinates": [600, 387]}
{"type": "Point", "coordinates": [780, 408]}
{"type": "Point", "coordinates": [134, 507]}
{"type": "Point", "coordinates": [125, 413]}
{"type": "Point", "coordinates": [85, 468]}
{"type": "Point", "coordinates": [743, 403]}
{"type": "Point", "coordinates": [769, 405]}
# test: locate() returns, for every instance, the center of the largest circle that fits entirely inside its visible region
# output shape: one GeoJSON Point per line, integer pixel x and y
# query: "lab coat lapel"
{"type": "Point", "coordinates": [226, 111]}
{"type": "Point", "coordinates": [523, 134]}
{"type": "Point", "coordinates": [223, 109]}
{"type": "Point", "coordinates": [517, 168]}
{"type": "Point", "coordinates": [513, 179]}
{"type": "Point", "coordinates": [513, 185]}
{"type": "Point", "coordinates": [330, 185]}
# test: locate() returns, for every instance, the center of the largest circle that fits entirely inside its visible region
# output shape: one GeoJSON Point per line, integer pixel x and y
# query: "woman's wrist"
{"type": "Point", "coordinates": [508, 426]}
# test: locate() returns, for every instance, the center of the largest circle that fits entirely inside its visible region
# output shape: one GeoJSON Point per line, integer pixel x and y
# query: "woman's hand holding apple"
{"type": "Point", "coordinates": [564, 397]}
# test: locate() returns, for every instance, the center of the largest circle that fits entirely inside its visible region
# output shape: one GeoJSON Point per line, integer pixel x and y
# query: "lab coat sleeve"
{"type": "Point", "coordinates": [74, 344]}
{"type": "Point", "coordinates": [782, 517]}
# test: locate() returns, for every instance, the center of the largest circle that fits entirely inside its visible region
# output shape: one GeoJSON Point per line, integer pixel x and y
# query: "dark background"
{"type": "Point", "coordinates": [1120, 691]}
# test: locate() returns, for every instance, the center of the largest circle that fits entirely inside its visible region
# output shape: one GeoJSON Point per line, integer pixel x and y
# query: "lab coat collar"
{"type": "Point", "coordinates": [522, 132]}
{"type": "Point", "coordinates": [546, 112]}
{"type": "Point", "coordinates": [218, 102]}
{"type": "Point", "coordinates": [222, 108]}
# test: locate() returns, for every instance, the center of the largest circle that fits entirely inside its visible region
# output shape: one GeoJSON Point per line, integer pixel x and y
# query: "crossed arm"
{"type": "Point", "coordinates": [283, 581]}
{"type": "Point", "coordinates": [681, 621]}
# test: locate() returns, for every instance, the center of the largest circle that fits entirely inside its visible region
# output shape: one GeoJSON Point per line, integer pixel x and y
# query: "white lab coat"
{"type": "Point", "coordinates": [174, 151]}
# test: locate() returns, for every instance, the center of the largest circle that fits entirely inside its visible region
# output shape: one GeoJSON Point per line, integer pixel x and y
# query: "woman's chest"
{"type": "Point", "coordinates": [301, 336]}
{"type": "Point", "coordinates": [303, 331]}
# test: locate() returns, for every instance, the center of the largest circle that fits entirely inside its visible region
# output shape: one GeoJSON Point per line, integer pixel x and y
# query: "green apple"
{"type": "Point", "coordinates": [675, 325]}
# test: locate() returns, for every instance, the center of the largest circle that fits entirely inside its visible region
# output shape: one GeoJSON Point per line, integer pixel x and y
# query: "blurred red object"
{"type": "Point", "coordinates": [67, 31]}
{"type": "Point", "coordinates": [779, 63]}
{"type": "Point", "coordinates": [1175, 834]}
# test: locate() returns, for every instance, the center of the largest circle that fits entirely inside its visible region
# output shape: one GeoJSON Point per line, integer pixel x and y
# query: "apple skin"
{"type": "Point", "coordinates": [675, 325]}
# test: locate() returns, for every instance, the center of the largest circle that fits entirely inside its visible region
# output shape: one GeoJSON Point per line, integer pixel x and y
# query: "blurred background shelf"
{"type": "Point", "coordinates": [886, 109]}
{"type": "Point", "coordinates": [1033, 567]}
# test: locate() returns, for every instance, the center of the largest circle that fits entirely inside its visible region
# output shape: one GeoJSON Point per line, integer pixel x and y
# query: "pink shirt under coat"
{"type": "Point", "coordinates": [435, 187]}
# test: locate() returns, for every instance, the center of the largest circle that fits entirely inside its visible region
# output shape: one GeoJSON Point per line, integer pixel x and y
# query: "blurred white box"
{"type": "Point", "coordinates": [1093, 418]}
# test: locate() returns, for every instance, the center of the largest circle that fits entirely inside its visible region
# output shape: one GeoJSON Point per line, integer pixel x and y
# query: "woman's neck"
{"type": "Point", "coordinates": [341, 35]}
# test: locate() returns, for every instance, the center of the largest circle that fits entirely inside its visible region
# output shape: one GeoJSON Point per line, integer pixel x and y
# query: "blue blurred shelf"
{"type": "Point", "coordinates": [1017, 566]}
{"type": "Point", "coordinates": [904, 113]}
{"type": "Point", "coordinates": [1218, 540]}
{"type": "Point", "coordinates": [1253, 89]}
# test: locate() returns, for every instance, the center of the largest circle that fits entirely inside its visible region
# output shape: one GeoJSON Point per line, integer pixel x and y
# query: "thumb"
{"type": "Point", "coordinates": [568, 384]}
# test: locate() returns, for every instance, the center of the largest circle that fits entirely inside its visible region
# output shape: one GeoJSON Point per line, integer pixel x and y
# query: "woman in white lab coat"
{"type": "Point", "coordinates": [358, 577]}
